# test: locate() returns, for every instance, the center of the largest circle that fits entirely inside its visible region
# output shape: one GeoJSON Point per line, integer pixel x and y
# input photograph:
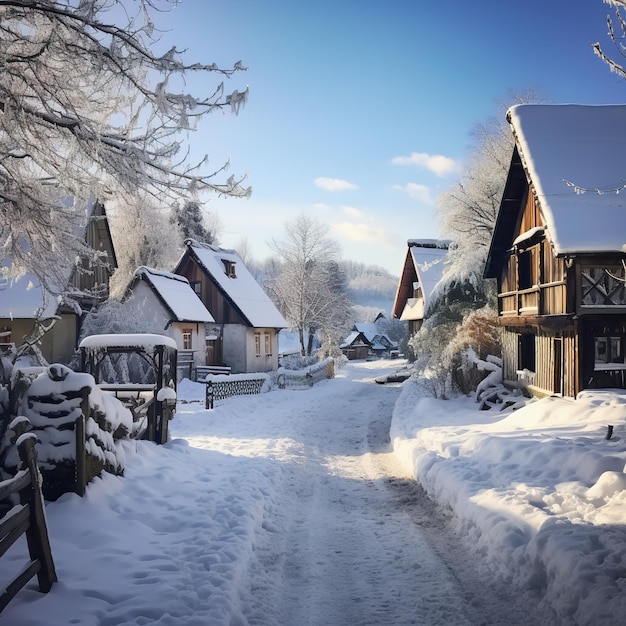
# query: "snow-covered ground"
{"type": "Point", "coordinates": [292, 507]}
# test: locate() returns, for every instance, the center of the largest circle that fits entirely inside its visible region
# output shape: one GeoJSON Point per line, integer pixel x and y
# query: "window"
{"type": "Point", "coordinates": [268, 344]}
{"type": "Point", "coordinates": [187, 332]}
{"type": "Point", "coordinates": [524, 270]}
{"type": "Point", "coordinates": [527, 352]}
{"type": "Point", "coordinates": [609, 352]}
{"type": "Point", "coordinates": [257, 343]}
{"type": "Point", "coordinates": [196, 285]}
{"type": "Point", "coordinates": [229, 268]}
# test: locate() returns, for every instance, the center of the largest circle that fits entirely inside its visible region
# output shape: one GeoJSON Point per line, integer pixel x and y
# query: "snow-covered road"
{"type": "Point", "coordinates": [281, 509]}
{"type": "Point", "coordinates": [347, 538]}
{"type": "Point", "coordinates": [336, 550]}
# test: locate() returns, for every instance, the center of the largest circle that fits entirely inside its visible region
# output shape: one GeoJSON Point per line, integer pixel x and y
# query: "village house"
{"type": "Point", "coordinates": [247, 322]}
{"type": "Point", "coordinates": [423, 269]}
{"type": "Point", "coordinates": [167, 304]}
{"type": "Point", "coordinates": [368, 339]}
{"type": "Point", "coordinates": [25, 302]}
{"type": "Point", "coordinates": [558, 250]}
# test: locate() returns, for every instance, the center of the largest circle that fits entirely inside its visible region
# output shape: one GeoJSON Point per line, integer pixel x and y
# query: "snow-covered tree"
{"type": "Point", "coordinates": [90, 107]}
{"type": "Point", "coordinates": [467, 214]}
{"type": "Point", "coordinates": [617, 33]}
{"type": "Point", "coordinates": [467, 211]}
{"type": "Point", "coordinates": [309, 288]}
{"type": "Point", "coordinates": [194, 223]}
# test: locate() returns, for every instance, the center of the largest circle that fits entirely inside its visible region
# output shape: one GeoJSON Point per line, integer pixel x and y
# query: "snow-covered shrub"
{"type": "Point", "coordinates": [297, 361]}
{"type": "Point", "coordinates": [52, 403]}
{"type": "Point", "coordinates": [478, 335]}
{"type": "Point", "coordinates": [460, 314]}
{"type": "Point", "coordinates": [489, 390]}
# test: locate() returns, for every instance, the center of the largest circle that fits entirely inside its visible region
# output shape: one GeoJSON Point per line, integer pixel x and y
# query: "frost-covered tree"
{"type": "Point", "coordinates": [90, 107]}
{"type": "Point", "coordinates": [617, 33]}
{"type": "Point", "coordinates": [308, 287]}
{"type": "Point", "coordinates": [467, 213]}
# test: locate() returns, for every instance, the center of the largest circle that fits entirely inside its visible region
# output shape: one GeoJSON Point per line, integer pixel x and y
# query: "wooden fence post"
{"type": "Point", "coordinates": [37, 533]}
{"type": "Point", "coordinates": [80, 474]}
{"type": "Point", "coordinates": [208, 403]}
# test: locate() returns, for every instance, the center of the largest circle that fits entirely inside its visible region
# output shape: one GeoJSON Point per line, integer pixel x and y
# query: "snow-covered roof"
{"type": "Point", "coordinates": [176, 293]}
{"type": "Point", "coordinates": [25, 297]}
{"type": "Point", "coordinates": [355, 338]}
{"type": "Point", "coordinates": [429, 262]}
{"type": "Point", "coordinates": [574, 157]}
{"type": "Point", "coordinates": [372, 332]}
{"type": "Point", "coordinates": [132, 340]}
{"type": "Point", "coordinates": [424, 264]}
{"type": "Point", "coordinates": [240, 286]}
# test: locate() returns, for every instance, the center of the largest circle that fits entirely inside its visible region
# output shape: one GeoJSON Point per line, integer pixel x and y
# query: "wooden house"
{"type": "Point", "coordinates": [167, 304]}
{"type": "Point", "coordinates": [423, 269]}
{"type": "Point", "coordinates": [356, 346]}
{"type": "Point", "coordinates": [83, 285]}
{"type": "Point", "coordinates": [369, 339]}
{"type": "Point", "coordinates": [558, 250]}
{"type": "Point", "coordinates": [245, 334]}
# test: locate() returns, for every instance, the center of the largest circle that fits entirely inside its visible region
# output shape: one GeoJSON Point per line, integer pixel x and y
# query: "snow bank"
{"type": "Point", "coordinates": [539, 492]}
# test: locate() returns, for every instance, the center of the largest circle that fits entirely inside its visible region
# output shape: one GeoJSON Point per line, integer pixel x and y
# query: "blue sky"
{"type": "Point", "coordinates": [350, 100]}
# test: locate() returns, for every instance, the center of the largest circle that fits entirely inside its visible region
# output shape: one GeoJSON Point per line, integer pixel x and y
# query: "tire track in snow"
{"type": "Point", "coordinates": [339, 550]}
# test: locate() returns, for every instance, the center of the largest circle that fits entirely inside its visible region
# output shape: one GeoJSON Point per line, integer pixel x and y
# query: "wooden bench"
{"type": "Point", "coordinates": [202, 371]}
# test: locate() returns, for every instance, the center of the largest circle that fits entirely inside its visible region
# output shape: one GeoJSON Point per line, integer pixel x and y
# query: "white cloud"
{"type": "Point", "coordinates": [417, 192]}
{"type": "Point", "coordinates": [440, 165]}
{"type": "Point", "coordinates": [361, 233]}
{"type": "Point", "coordinates": [334, 184]}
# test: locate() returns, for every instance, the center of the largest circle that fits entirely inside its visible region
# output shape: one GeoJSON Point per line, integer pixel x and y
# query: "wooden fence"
{"type": "Point", "coordinates": [27, 517]}
{"type": "Point", "coordinates": [221, 386]}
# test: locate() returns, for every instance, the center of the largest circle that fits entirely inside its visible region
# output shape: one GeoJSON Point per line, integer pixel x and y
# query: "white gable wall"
{"type": "Point", "coordinates": [147, 307]}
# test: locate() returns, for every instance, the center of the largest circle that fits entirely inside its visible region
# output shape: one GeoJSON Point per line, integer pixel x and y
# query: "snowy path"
{"type": "Point", "coordinates": [346, 538]}
{"type": "Point", "coordinates": [281, 509]}
{"type": "Point", "coordinates": [340, 554]}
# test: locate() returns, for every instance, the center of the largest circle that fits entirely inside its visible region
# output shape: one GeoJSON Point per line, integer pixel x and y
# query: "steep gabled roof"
{"type": "Point", "coordinates": [25, 297]}
{"type": "Point", "coordinates": [573, 156]}
{"type": "Point", "coordinates": [424, 263]}
{"type": "Point", "coordinates": [230, 275]}
{"type": "Point", "coordinates": [175, 293]}
{"type": "Point", "coordinates": [356, 338]}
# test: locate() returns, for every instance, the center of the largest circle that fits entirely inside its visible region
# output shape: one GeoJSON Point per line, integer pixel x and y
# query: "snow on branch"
{"type": "Point", "coordinates": [88, 108]}
{"type": "Point", "coordinates": [580, 190]}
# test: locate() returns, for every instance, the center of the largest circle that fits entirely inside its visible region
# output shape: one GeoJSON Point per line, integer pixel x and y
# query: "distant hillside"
{"type": "Point", "coordinates": [370, 286]}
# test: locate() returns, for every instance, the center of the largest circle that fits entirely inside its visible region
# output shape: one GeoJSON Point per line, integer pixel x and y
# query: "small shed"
{"type": "Point", "coordinates": [356, 346]}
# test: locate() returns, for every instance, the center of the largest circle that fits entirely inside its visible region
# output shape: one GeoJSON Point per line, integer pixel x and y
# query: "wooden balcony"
{"type": "Point", "coordinates": [547, 299]}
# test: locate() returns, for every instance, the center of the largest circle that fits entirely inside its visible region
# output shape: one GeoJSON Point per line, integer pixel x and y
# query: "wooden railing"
{"type": "Point", "coordinates": [546, 299]}
{"type": "Point", "coordinates": [26, 517]}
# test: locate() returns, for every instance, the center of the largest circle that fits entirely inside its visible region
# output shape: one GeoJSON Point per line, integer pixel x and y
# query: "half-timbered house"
{"type": "Point", "coordinates": [558, 249]}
